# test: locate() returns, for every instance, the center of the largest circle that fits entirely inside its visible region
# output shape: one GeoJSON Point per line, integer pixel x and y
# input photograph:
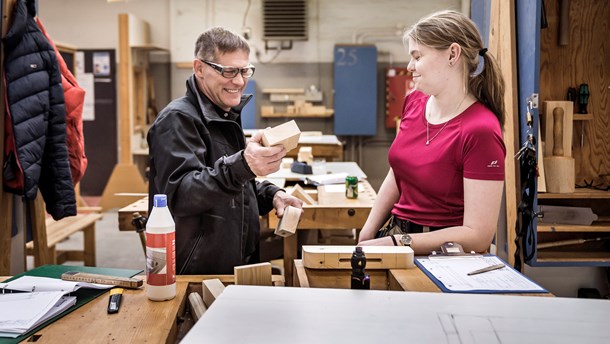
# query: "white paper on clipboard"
{"type": "Point", "coordinates": [453, 274]}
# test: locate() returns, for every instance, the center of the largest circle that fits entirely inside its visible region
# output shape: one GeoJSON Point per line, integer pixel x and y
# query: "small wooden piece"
{"type": "Point", "coordinates": [567, 126]}
{"type": "Point", "coordinates": [286, 163]}
{"type": "Point", "coordinates": [339, 257]}
{"type": "Point", "coordinates": [559, 174]}
{"type": "Point", "coordinates": [305, 155]}
{"type": "Point", "coordinates": [211, 289]}
{"type": "Point", "coordinates": [286, 134]}
{"type": "Point", "coordinates": [288, 223]}
{"type": "Point", "coordinates": [253, 274]}
{"type": "Point", "coordinates": [298, 192]}
{"type": "Point", "coordinates": [197, 305]}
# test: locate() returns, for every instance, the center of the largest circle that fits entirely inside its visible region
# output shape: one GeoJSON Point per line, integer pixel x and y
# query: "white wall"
{"type": "Point", "coordinates": [93, 24]}
{"type": "Point", "coordinates": [330, 22]}
{"type": "Point", "coordinates": [175, 24]}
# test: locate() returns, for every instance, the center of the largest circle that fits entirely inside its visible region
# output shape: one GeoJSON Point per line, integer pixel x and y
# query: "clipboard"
{"type": "Point", "coordinates": [450, 275]}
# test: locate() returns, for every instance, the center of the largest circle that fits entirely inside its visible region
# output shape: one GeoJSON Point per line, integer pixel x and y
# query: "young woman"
{"type": "Point", "coordinates": [446, 173]}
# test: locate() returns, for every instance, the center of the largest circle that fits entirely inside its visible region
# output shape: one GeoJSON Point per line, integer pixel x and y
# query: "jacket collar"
{"type": "Point", "coordinates": [206, 107]}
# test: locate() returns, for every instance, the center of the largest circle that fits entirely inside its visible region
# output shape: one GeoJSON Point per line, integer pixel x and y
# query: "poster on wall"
{"type": "Point", "coordinates": [101, 64]}
{"type": "Point", "coordinates": [86, 82]}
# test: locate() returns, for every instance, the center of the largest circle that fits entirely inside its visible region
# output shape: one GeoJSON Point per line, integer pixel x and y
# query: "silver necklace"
{"type": "Point", "coordinates": [428, 139]}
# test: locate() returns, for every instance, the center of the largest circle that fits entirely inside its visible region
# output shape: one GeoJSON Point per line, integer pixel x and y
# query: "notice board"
{"type": "Point", "coordinates": [355, 85]}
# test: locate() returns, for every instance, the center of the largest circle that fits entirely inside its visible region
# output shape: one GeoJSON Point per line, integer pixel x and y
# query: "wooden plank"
{"type": "Point", "coordinates": [125, 88]}
{"type": "Point", "coordinates": [253, 274]}
{"type": "Point", "coordinates": [6, 219]}
{"type": "Point", "coordinates": [578, 194]}
{"type": "Point", "coordinates": [502, 45]}
{"type": "Point", "coordinates": [573, 257]}
{"type": "Point", "coordinates": [300, 276]}
{"type": "Point", "coordinates": [43, 252]}
{"type": "Point", "coordinates": [125, 176]}
{"type": "Point", "coordinates": [6, 199]}
{"type": "Point", "coordinates": [598, 227]}
{"type": "Point", "coordinates": [211, 289]}
{"type": "Point", "coordinates": [338, 257]}
{"type": "Point", "coordinates": [59, 230]}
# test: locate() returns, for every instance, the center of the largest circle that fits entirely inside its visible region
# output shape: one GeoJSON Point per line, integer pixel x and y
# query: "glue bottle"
{"type": "Point", "coordinates": [160, 252]}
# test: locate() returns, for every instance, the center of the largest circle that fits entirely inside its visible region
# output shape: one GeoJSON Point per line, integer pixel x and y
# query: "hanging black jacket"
{"type": "Point", "coordinates": [196, 159]}
{"type": "Point", "coordinates": [35, 107]}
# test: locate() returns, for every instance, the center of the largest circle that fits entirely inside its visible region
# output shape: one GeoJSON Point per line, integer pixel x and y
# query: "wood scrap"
{"type": "Point", "coordinates": [253, 274]}
{"type": "Point", "coordinates": [211, 289]}
{"type": "Point", "coordinates": [197, 305]}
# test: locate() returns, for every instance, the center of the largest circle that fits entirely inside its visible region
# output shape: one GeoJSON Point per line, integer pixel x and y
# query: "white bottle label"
{"type": "Point", "coordinates": [160, 259]}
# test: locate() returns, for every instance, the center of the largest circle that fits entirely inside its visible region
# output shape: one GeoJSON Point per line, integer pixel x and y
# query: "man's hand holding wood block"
{"type": "Point", "coordinates": [287, 225]}
{"type": "Point", "coordinates": [286, 134]}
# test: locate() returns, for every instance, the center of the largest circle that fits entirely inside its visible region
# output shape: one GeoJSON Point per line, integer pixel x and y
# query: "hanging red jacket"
{"type": "Point", "coordinates": [74, 99]}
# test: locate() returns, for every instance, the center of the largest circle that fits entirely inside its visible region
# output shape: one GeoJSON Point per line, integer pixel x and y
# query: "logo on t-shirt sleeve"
{"type": "Point", "coordinates": [493, 163]}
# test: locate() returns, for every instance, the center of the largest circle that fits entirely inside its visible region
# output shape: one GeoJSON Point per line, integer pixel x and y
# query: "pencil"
{"type": "Point", "coordinates": [486, 269]}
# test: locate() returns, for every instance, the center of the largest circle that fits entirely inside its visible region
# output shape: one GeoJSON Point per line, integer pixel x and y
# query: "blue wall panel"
{"type": "Point", "coordinates": [355, 84]}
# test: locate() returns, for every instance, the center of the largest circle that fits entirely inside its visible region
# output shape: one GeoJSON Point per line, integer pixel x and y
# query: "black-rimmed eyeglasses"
{"type": "Point", "coordinates": [231, 72]}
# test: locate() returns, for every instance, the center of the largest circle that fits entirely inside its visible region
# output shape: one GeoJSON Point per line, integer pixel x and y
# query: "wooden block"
{"type": "Point", "coordinates": [559, 174]}
{"type": "Point", "coordinates": [298, 192]}
{"type": "Point", "coordinates": [305, 155]}
{"type": "Point", "coordinates": [567, 215]}
{"type": "Point", "coordinates": [339, 257]}
{"type": "Point", "coordinates": [211, 289]}
{"type": "Point", "coordinates": [567, 125]}
{"type": "Point", "coordinates": [286, 163]}
{"type": "Point", "coordinates": [197, 306]}
{"type": "Point", "coordinates": [286, 134]}
{"type": "Point", "coordinates": [253, 274]}
{"type": "Point", "coordinates": [267, 110]}
{"type": "Point", "coordinates": [287, 225]}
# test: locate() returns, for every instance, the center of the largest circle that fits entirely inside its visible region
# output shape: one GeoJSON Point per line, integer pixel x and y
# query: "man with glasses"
{"type": "Point", "coordinates": [200, 159]}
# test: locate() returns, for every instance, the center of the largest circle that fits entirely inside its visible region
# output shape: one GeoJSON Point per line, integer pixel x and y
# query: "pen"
{"type": "Point", "coordinates": [114, 303]}
{"type": "Point", "coordinates": [486, 269]}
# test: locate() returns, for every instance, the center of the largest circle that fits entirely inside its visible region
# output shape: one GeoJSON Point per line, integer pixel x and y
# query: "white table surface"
{"type": "Point", "coordinates": [250, 314]}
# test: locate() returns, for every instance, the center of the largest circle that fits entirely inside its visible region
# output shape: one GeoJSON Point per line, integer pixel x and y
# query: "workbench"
{"type": "Point", "coordinates": [332, 212]}
{"type": "Point", "coordinates": [142, 321]}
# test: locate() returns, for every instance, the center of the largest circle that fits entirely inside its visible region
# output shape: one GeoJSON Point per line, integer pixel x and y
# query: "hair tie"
{"type": "Point", "coordinates": [482, 51]}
